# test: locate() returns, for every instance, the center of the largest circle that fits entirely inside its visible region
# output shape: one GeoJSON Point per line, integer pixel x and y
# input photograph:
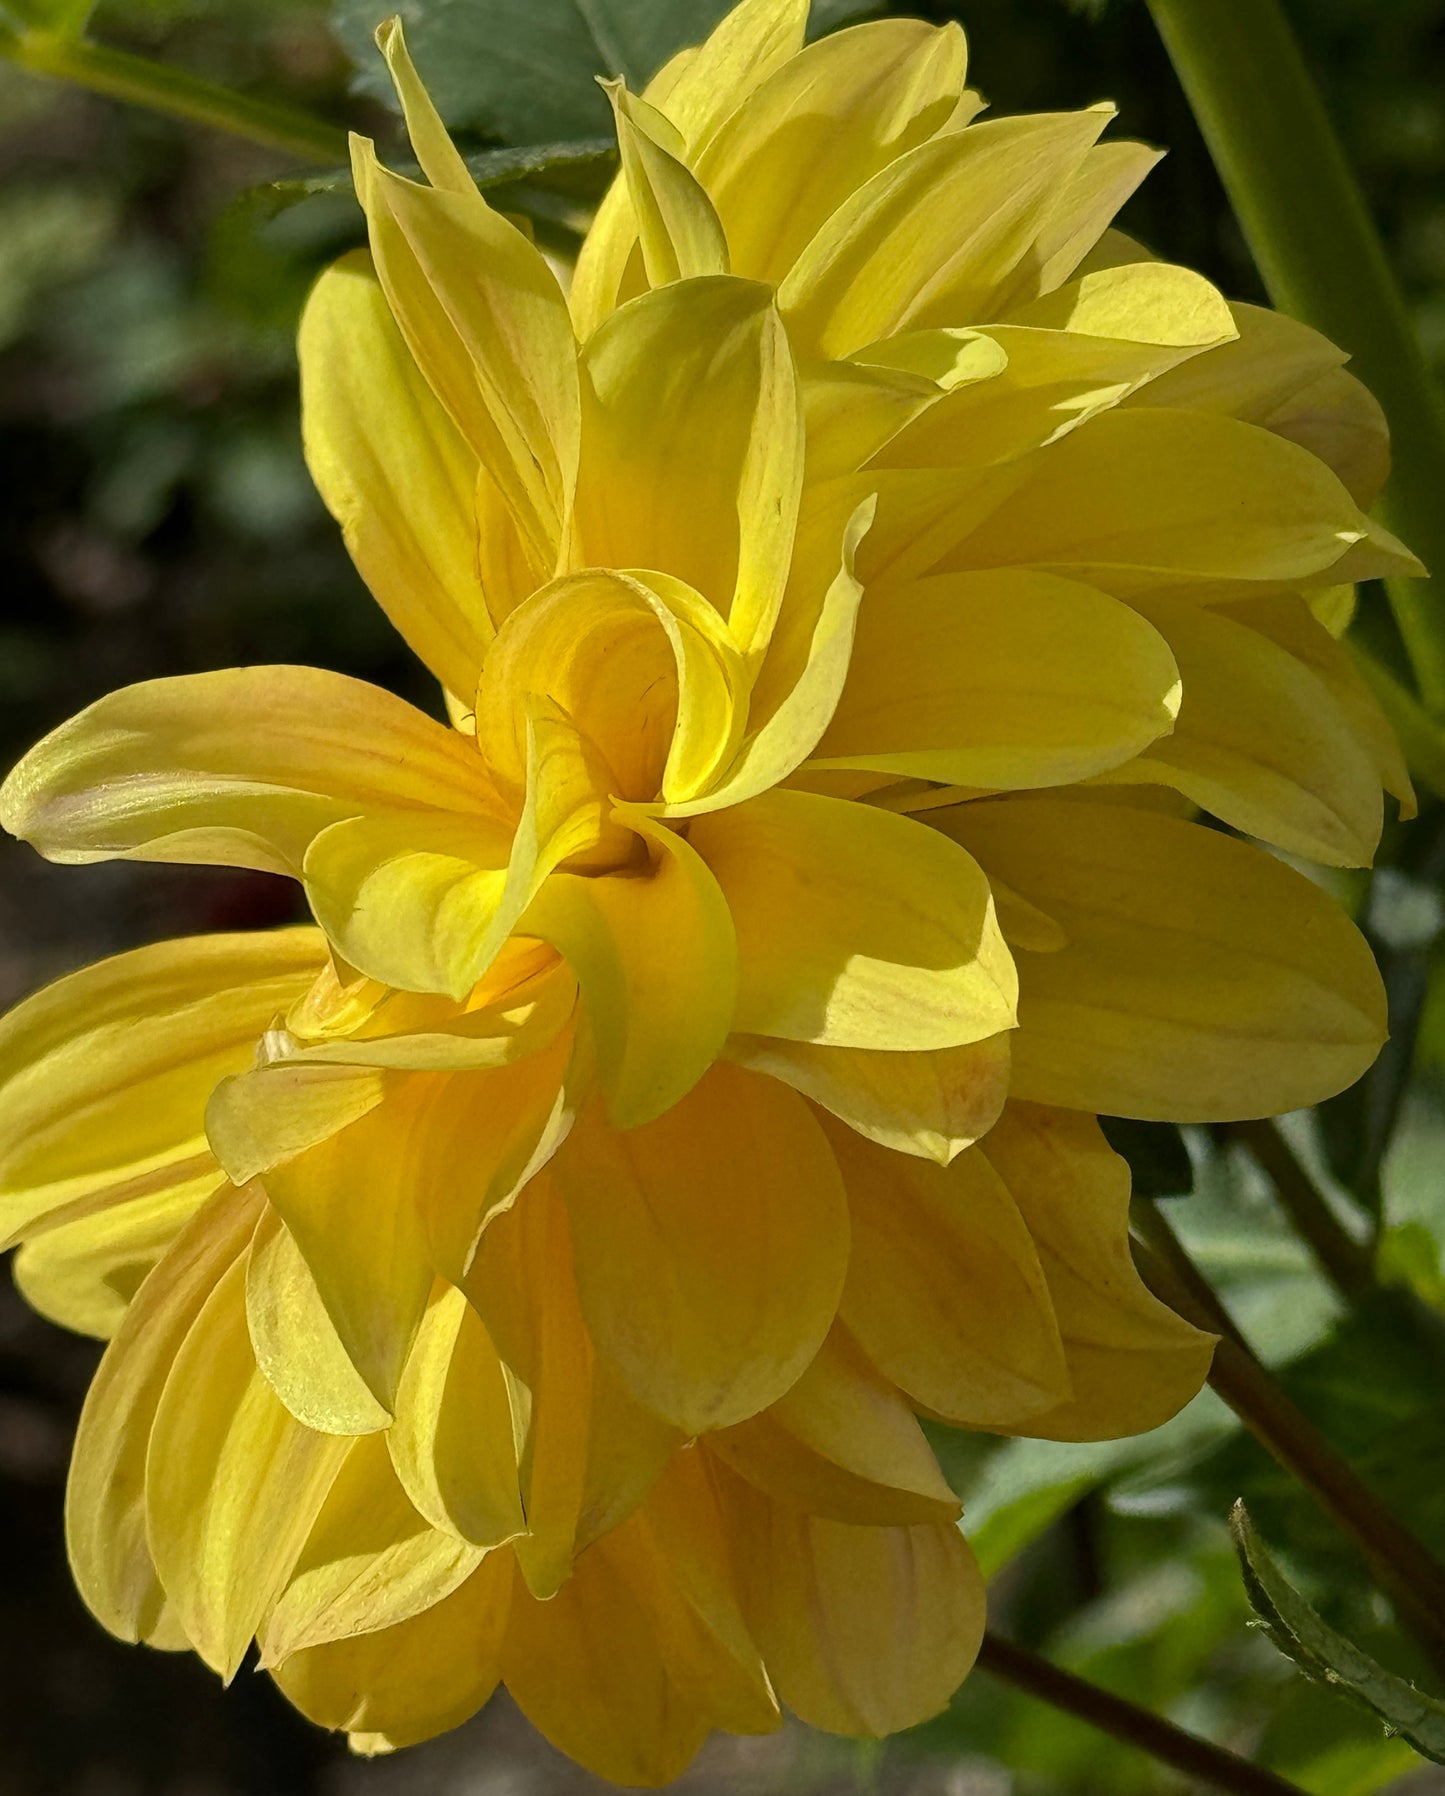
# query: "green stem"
{"type": "Point", "coordinates": [1402, 1565]}
{"type": "Point", "coordinates": [1421, 736]}
{"type": "Point", "coordinates": [1347, 1263]}
{"type": "Point", "coordinates": [1321, 258]}
{"type": "Point", "coordinates": [176, 92]}
{"type": "Point", "coordinates": [1199, 1760]}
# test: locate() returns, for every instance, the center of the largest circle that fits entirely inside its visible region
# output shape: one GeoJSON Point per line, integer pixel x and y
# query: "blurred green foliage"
{"type": "Point", "coordinates": [157, 519]}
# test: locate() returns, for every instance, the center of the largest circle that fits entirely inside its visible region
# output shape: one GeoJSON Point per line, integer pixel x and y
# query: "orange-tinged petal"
{"type": "Point", "coordinates": [394, 471]}
{"type": "Point", "coordinates": [710, 1246]}
{"type": "Point", "coordinates": [233, 1482]}
{"type": "Point", "coordinates": [416, 1679]}
{"type": "Point", "coordinates": [1132, 1362]}
{"type": "Point", "coordinates": [1201, 981]}
{"type": "Point", "coordinates": [105, 1523]}
{"type": "Point", "coordinates": [945, 1293]}
{"type": "Point", "coordinates": [853, 929]}
{"type": "Point", "coordinates": [841, 1443]}
{"type": "Point", "coordinates": [244, 767]}
{"type": "Point", "coordinates": [864, 1630]}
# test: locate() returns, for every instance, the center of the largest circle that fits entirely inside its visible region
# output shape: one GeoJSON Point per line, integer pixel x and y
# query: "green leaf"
{"type": "Point", "coordinates": [1326, 1656]}
{"type": "Point", "coordinates": [68, 17]}
{"type": "Point", "coordinates": [524, 71]}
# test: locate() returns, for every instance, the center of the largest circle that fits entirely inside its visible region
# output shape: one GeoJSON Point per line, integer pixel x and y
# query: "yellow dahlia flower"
{"type": "Point", "coordinates": [841, 610]}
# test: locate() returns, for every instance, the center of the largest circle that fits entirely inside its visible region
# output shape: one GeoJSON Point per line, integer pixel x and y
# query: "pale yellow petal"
{"type": "Point", "coordinates": [945, 1293]}
{"type": "Point", "coordinates": [267, 1116]}
{"type": "Point", "coordinates": [1202, 980]}
{"type": "Point", "coordinates": [934, 1102]}
{"type": "Point", "coordinates": [395, 472]}
{"type": "Point", "coordinates": [370, 1562]}
{"type": "Point", "coordinates": [233, 1482]}
{"type": "Point", "coordinates": [105, 1524]}
{"type": "Point", "coordinates": [239, 768]}
{"type": "Point", "coordinates": [1077, 218]}
{"type": "Point", "coordinates": [853, 929]}
{"type": "Point", "coordinates": [104, 1075]}
{"type": "Point", "coordinates": [679, 231]}
{"type": "Point", "coordinates": [710, 1246]}
{"type": "Point", "coordinates": [1132, 1362]}
{"type": "Point", "coordinates": [452, 1441]}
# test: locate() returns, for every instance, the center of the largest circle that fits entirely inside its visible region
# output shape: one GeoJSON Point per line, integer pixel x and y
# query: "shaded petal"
{"type": "Point", "coordinates": [370, 1562]}
{"type": "Point", "coordinates": [710, 1247]}
{"type": "Point", "coordinates": [933, 1103]}
{"type": "Point", "coordinates": [945, 1293]}
{"type": "Point", "coordinates": [416, 1679]}
{"type": "Point", "coordinates": [233, 1482]}
{"type": "Point", "coordinates": [693, 447]}
{"type": "Point", "coordinates": [864, 1630]}
{"type": "Point", "coordinates": [1132, 1362]}
{"type": "Point", "coordinates": [1001, 680]}
{"type": "Point", "coordinates": [1201, 981]}
{"type": "Point", "coordinates": [104, 1075]}
{"type": "Point", "coordinates": [1261, 743]}
{"type": "Point", "coordinates": [452, 1440]}
{"type": "Point", "coordinates": [105, 1523]}
{"type": "Point", "coordinates": [395, 472]}
{"type": "Point", "coordinates": [841, 1443]}
{"type": "Point", "coordinates": [853, 930]}
{"type": "Point", "coordinates": [678, 229]}
{"type": "Point", "coordinates": [238, 768]}
{"type": "Point", "coordinates": [1076, 218]}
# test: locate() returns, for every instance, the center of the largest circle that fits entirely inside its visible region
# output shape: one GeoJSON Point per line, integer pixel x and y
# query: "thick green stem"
{"type": "Point", "coordinates": [1199, 1760]}
{"type": "Point", "coordinates": [1321, 258]}
{"type": "Point", "coordinates": [1402, 1565]}
{"type": "Point", "coordinates": [1421, 736]}
{"type": "Point", "coordinates": [175, 92]}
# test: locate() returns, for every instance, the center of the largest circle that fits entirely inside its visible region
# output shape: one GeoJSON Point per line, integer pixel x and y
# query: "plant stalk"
{"type": "Point", "coordinates": [1321, 258]}
{"type": "Point", "coordinates": [1186, 1753]}
{"type": "Point", "coordinates": [1347, 1263]}
{"type": "Point", "coordinates": [175, 92]}
{"type": "Point", "coordinates": [1401, 1564]}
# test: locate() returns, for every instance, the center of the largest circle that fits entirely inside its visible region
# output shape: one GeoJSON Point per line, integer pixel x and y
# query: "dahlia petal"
{"type": "Point", "coordinates": [710, 1247]}
{"type": "Point", "coordinates": [84, 1273]}
{"type": "Point", "coordinates": [1001, 680]}
{"type": "Point", "coordinates": [233, 1482]}
{"type": "Point", "coordinates": [1132, 1362]}
{"type": "Point", "coordinates": [296, 1345]}
{"type": "Point", "coordinates": [656, 960]}
{"type": "Point", "coordinates": [931, 238]}
{"type": "Point", "coordinates": [452, 1442]}
{"type": "Point", "coordinates": [394, 472]}
{"type": "Point", "coordinates": [1261, 743]}
{"type": "Point", "coordinates": [588, 1453]}
{"type": "Point", "coordinates": [618, 1670]}
{"type": "Point", "coordinates": [265, 1117]}
{"type": "Point", "coordinates": [486, 321]}
{"type": "Point", "coordinates": [1077, 218]}
{"type": "Point", "coordinates": [864, 1630]}
{"type": "Point", "coordinates": [853, 930]}
{"type": "Point", "coordinates": [105, 1524]}
{"type": "Point", "coordinates": [104, 1075]}
{"type": "Point", "coordinates": [933, 1103]}
{"type": "Point", "coordinates": [693, 447]}
{"type": "Point", "coordinates": [853, 409]}
{"type": "Point", "coordinates": [413, 1680]}
{"type": "Point", "coordinates": [841, 1443]}
{"type": "Point", "coordinates": [369, 1563]}
{"type": "Point", "coordinates": [1171, 495]}
{"type": "Point", "coordinates": [825, 124]}
{"type": "Point", "coordinates": [363, 1184]}
{"type": "Point", "coordinates": [1202, 980]}
{"type": "Point", "coordinates": [678, 229]}
{"type": "Point", "coordinates": [440, 160]}
{"type": "Point", "coordinates": [238, 768]}
{"type": "Point", "coordinates": [945, 1294]}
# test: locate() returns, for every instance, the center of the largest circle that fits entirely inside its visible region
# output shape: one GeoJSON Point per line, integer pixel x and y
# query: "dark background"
{"type": "Point", "coordinates": [155, 518]}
